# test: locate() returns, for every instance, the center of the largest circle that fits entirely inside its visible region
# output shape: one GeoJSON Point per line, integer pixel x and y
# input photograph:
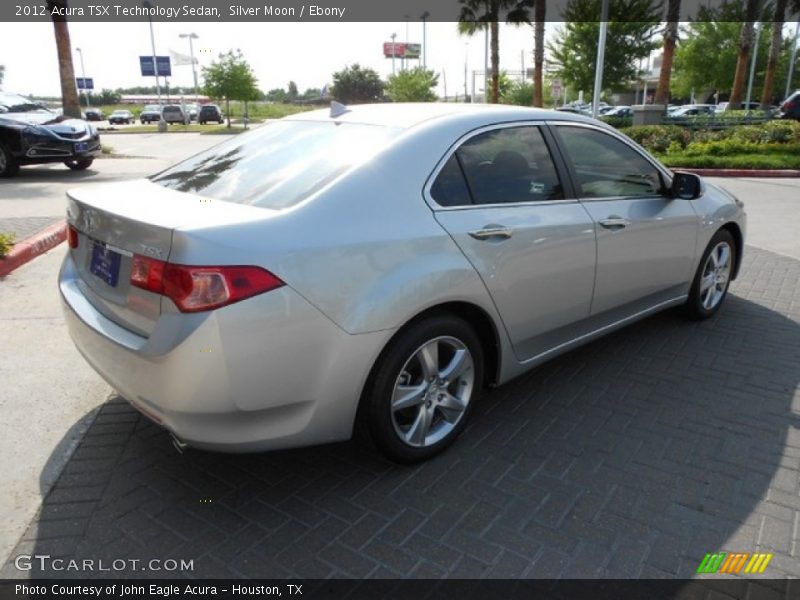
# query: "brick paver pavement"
{"type": "Point", "coordinates": [23, 227]}
{"type": "Point", "coordinates": [630, 457]}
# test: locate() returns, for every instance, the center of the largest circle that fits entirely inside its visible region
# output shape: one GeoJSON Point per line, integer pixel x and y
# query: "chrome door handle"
{"type": "Point", "coordinates": [492, 231]}
{"type": "Point", "coordinates": [614, 222]}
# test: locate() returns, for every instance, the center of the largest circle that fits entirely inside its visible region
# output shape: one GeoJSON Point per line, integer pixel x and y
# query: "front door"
{"type": "Point", "coordinates": [501, 199]}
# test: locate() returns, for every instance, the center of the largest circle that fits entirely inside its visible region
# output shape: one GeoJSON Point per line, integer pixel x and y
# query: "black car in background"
{"type": "Point", "coordinates": [209, 112]}
{"type": "Point", "coordinates": [93, 114]}
{"type": "Point", "coordinates": [32, 134]}
{"type": "Point", "coordinates": [150, 114]}
{"type": "Point", "coordinates": [790, 108]}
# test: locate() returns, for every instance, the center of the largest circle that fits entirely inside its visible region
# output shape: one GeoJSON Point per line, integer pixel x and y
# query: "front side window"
{"type": "Point", "coordinates": [607, 167]}
{"type": "Point", "coordinates": [502, 166]}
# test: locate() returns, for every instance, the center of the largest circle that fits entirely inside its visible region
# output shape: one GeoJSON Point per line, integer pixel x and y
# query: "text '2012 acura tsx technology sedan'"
{"type": "Point", "coordinates": [373, 268]}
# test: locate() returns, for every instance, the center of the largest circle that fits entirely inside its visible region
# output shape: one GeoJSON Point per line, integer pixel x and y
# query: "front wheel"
{"type": "Point", "coordinates": [710, 285]}
{"type": "Point", "coordinates": [423, 388]}
{"type": "Point", "coordinates": [79, 165]}
{"type": "Point", "coordinates": [8, 164]}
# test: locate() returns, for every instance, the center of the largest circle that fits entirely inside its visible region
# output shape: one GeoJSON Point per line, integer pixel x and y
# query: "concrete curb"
{"type": "Point", "coordinates": [741, 172]}
{"type": "Point", "coordinates": [31, 247]}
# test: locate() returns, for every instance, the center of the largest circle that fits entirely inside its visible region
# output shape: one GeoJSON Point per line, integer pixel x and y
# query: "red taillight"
{"type": "Point", "coordinates": [72, 236]}
{"type": "Point", "coordinates": [195, 288]}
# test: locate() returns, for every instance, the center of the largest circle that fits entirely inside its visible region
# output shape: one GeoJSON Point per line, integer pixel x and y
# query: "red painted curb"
{"type": "Point", "coordinates": [742, 172]}
{"type": "Point", "coordinates": [31, 247]}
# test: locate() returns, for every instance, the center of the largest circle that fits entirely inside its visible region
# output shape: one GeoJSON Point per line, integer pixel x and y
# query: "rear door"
{"type": "Point", "coordinates": [645, 239]}
{"type": "Point", "coordinates": [500, 195]}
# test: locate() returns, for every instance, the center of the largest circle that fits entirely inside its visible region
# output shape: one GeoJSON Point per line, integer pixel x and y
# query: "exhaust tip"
{"type": "Point", "coordinates": [178, 443]}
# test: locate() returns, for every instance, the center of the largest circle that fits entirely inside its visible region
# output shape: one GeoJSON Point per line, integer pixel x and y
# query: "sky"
{"type": "Point", "coordinates": [307, 53]}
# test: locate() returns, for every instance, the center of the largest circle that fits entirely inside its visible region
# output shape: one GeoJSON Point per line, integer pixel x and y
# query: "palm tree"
{"type": "Point", "coordinates": [670, 40]}
{"type": "Point", "coordinates": [69, 90]}
{"type": "Point", "coordinates": [476, 15]}
{"type": "Point", "coordinates": [539, 16]}
{"type": "Point", "coordinates": [774, 53]}
{"type": "Point", "coordinates": [745, 45]}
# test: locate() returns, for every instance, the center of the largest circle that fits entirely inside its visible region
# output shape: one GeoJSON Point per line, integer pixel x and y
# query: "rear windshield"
{"type": "Point", "coordinates": [277, 165]}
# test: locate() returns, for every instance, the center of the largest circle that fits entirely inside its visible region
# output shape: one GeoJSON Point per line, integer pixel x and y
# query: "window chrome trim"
{"type": "Point", "coordinates": [666, 173]}
{"type": "Point", "coordinates": [436, 207]}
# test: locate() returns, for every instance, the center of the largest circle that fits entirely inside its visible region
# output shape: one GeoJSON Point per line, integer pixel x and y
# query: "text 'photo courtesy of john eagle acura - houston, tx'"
{"type": "Point", "coordinates": [368, 270]}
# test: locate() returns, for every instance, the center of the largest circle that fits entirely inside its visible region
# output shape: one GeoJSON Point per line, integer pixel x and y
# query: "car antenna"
{"type": "Point", "coordinates": [338, 109]}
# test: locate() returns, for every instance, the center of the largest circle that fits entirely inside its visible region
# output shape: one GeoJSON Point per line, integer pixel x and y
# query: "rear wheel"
{"type": "Point", "coordinates": [710, 285]}
{"type": "Point", "coordinates": [422, 389]}
{"type": "Point", "coordinates": [79, 165]}
{"type": "Point", "coordinates": [8, 164]}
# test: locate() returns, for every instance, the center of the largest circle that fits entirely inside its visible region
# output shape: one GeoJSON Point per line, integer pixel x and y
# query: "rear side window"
{"type": "Point", "coordinates": [607, 167]}
{"type": "Point", "coordinates": [279, 164]}
{"type": "Point", "coordinates": [502, 166]}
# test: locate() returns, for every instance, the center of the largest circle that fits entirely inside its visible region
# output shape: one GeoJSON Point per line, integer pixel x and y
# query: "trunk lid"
{"type": "Point", "coordinates": [117, 220]}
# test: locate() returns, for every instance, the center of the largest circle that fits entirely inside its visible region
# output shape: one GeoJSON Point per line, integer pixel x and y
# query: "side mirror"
{"type": "Point", "coordinates": [686, 186]}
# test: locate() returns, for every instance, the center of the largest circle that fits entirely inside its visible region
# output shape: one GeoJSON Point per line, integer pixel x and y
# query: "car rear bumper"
{"type": "Point", "coordinates": [266, 373]}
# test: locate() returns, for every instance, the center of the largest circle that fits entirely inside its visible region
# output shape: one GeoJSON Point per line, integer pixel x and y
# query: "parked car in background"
{"type": "Point", "coordinates": [693, 110]}
{"type": "Point", "coordinates": [174, 113]}
{"type": "Point", "coordinates": [376, 267]}
{"type": "Point", "coordinates": [150, 114]}
{"type": "Point", "coordinates": [619, 111]}
{"type": "Point", "coordinates": [31, 134]}
{"type": "Point", "coordinates": [93, 114]}
{"type": "Point", "coordinates": [192, 110]}
{"type": "Point", "coordinates": [121, 117]}
{"type": "Point", "coordinates": [210, 112]}
{"type": "Point", "coordinates": [790, 108]}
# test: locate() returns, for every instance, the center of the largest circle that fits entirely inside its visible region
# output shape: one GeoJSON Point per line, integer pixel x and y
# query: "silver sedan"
{"type": "Point", "coordinates": [373, 268]}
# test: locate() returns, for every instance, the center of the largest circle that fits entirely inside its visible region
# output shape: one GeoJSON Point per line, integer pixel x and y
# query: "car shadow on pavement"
{"type": "Point", "coordinates": [54, 174]}
{"type": "Point", "coordinates": [631, 457]}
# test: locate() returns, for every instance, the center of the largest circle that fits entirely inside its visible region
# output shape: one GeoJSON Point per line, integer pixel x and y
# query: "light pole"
{"type": "Point", "coordinates": [753, 67]}
{"type": "Point", "coordinates": [791, 62]}
{"type": "Point", "coordinates": [424, 16]}
{"type": "Point", "coordinates": [83, 73]}
{"type": "Point", "coordinates": [601, 53]}
{"type": "Point", "coordinates": [192, 36]}
{"type": "Point", "coordinates": [394, 51]}
{"type": "Point", "coordinates": [148, 6]}
{"type": "Point", "coordinates": [406, 51]}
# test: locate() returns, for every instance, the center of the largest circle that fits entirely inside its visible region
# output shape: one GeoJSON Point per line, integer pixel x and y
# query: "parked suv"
{"type": "Point", "coordinates": [790, 109]}
{"type": "Point", "coordinates": [173, 113]}
{"type": "Point", "coordinates": [210, 112]}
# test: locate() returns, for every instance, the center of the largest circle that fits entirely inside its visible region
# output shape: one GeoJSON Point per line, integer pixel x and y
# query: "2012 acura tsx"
{"type": "Point", "coordinates": [375, 267]}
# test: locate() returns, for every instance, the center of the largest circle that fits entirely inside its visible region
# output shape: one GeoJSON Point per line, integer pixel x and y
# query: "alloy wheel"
{"type": "Point", "coordinates": [433, 391]}
{"type": "Point", "coordinates": [716, 275]}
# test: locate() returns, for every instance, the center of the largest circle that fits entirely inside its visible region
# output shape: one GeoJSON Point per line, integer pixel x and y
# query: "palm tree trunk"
{"type": "Point", "coordinates": [745, 45]}
{"type": "Point", "coordinates": [774, 53]}
{"type": "Point", "coordinates": [670, 39]}
{"type": "Point", "coordinates": [540, 13]}
{"type": "Point", "coordinates": [495, 51]}
{"type": "Point", "coordinates": [69, 90]}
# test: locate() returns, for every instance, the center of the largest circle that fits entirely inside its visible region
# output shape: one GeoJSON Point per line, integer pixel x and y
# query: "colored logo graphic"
{"type": "Point", "coordinates": [734, 562]}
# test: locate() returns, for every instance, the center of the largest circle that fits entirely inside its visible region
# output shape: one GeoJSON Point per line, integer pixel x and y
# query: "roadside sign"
{"type": "Point", "coordinates": [401, 50]}
{"type": "Point", "coordinates": [555, 88]}
{"type": "Point", "coordinates": [85, 83]}
{"type": "Point", "coordinates": [163, 63]}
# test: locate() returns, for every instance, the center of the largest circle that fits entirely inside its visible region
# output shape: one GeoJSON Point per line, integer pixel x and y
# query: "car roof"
{"type": "Point", "coordinates": [407, 115]}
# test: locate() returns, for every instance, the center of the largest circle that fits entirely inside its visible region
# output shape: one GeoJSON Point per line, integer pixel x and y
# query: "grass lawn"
{"type": "Point", "coordinates": [193, 128]}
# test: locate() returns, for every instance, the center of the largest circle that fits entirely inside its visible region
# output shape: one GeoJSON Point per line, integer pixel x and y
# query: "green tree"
{"type": "Point", "coordinates": [668, 53]}
{"type": "Point", "coordinates": [477, 15]}
{"type": "Point", "coordinates": [520, 93]}
{"type": "Point", "coordinates": [746, 42]}
{"type": "Point", "coordinates": [706, 57]}
{"type": "Point", "coordinates": [276, 95]}
{"type": "Point", "coordinates": [539, 17]}
{"type": "Point", "coordinates": [630, 28]}
{"type": "Point", "coordinates": [66, 71]}
{"type": "Point", "coordinates": [413, 85]}
{"type": "Point", "coordinates": [291, 92]}
{"type": "Point", "coordinates": [231, 77]}
{"type": "Point", "coordinates": [355, 84]}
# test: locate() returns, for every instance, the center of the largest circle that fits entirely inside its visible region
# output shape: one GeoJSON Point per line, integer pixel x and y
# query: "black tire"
{"type": "Point", "coordinates": [79, 165]}
{"type": "Point", "coordinates": [695, 306]}
{"type": "Point", "coordinates": [377, 422]}
{"type": "Point", "coordinates": [9, 167]}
